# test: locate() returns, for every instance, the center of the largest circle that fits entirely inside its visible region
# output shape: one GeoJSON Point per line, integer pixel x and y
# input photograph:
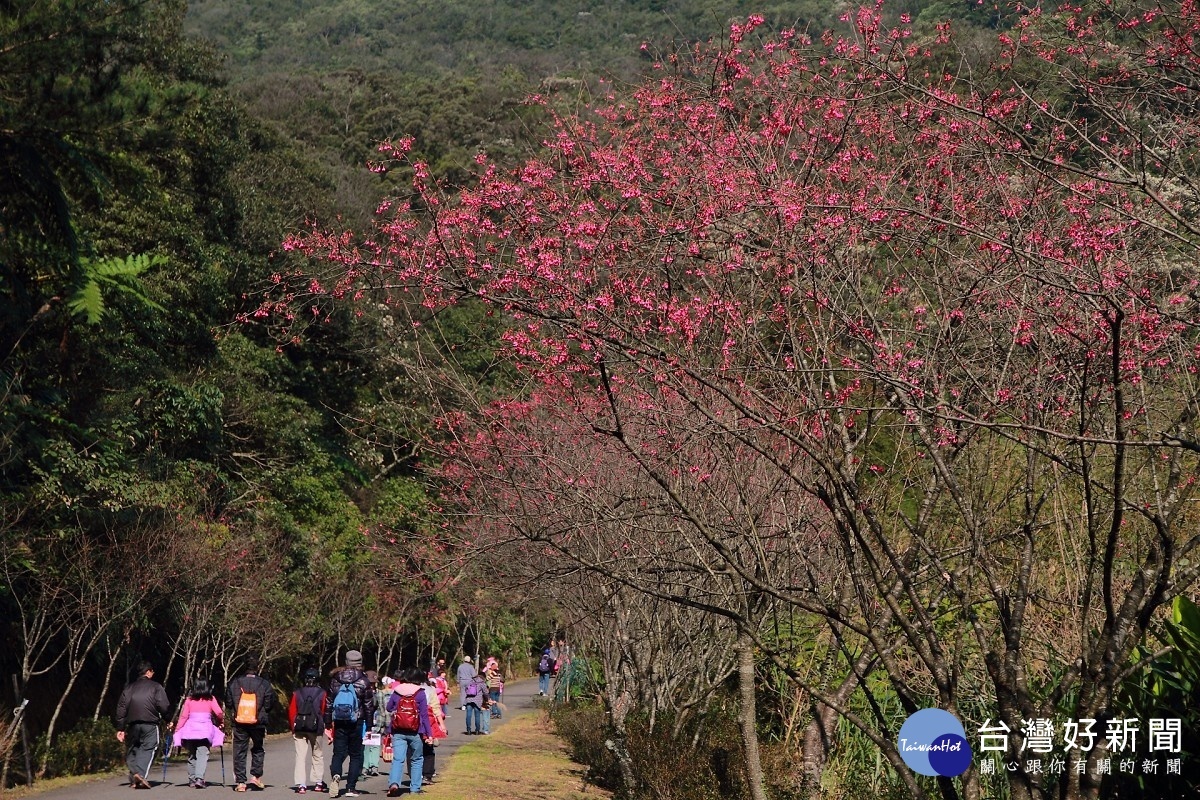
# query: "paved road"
{"type": "Point", "coordinates": [280, 757]}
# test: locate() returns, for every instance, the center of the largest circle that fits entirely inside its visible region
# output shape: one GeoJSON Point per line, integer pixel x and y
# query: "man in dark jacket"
{"type": "Point", "coordinates": [142, 705]}
{"type": "Point", "coordinates": [250, 700]}
{"type": "Point", "coordinates": [351, 699]}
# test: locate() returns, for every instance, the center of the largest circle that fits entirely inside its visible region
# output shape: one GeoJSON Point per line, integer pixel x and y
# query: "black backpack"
{"type": "Point", "coordinates": [308, 718]}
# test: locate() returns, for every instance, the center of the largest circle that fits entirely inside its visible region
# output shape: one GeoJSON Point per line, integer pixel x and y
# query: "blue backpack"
{"type": "Point", "coordinates": [345, 704]}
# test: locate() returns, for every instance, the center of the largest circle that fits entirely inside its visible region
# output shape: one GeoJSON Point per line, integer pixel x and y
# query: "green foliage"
{"type": "Point", "coordinates": [584, 727]}
{"type": "Point", "coordinates": [1165, 687]}
{"type": "Point", "coordinates": [88, 748]}
{"type": "Point", "coordinates": [579, 678]}
{"type": "Point", "coordinates": [703, 762]}
{"type": "Point", "coordinates": [119, 274]}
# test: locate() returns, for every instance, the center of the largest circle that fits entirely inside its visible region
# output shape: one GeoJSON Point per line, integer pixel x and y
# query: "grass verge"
{"type": "Point", "coordinates": [523, 760]}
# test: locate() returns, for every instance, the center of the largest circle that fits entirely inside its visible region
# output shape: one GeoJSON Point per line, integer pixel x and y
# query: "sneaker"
{"type": "Point", "coordinates": [200, 784]}
{"type": "Point", "coordinates": [257, 783]}
{"type": "Point", "coordinates": [351, 793]}
{"type": "Point", "coordinates": [335, 783]}
{"type": "Point", "coordinates": [241, 787]}
{"type": "Point", "coordinates": [393, 791]}
{"type": "Point", "coordinates": [301, 789]}
{"type": "Point", "coordinates": [320, 787]}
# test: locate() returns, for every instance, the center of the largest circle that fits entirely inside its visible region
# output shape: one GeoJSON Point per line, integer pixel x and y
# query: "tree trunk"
{"type": "Point", "coordinates": [619, 704]}
{"type": "Point", "coordinates": [113, 655]}
{"type": "Point", "coordinates": [819, 734]}
{"type": "Point", "coordinates": [748, 715]}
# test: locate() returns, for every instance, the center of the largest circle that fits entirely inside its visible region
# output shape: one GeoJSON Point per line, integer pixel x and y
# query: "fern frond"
{"type": "Point", "coordinates": [119, 273]}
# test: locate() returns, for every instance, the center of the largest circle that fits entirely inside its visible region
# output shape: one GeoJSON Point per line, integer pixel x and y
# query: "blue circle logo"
{"type": "Point", "coordinates": [933, 742]}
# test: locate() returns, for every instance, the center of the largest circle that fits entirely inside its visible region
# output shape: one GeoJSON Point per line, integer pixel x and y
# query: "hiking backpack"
{"type": "Point", "coordinates": [545, 666]}
{"type": "Point", "coordinates": [405, 718]}
{"type": "Point", "coordinates": [345, 704]}
{"type": "Point", "coordinates": [247, 708]}
{"type": "Point", "coordinates": [308, 720]}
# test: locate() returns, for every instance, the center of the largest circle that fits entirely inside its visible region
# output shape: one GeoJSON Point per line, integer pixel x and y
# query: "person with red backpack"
{"type": "Point", "coordinates": [409, 708]}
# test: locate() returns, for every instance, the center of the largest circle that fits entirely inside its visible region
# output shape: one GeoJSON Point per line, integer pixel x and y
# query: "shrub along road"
{"type": "Point", "coordinates": [518, 700]}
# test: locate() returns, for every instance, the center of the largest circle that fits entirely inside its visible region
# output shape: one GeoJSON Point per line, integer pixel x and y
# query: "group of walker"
{"type": "Point", "coordinates": [366, 718]}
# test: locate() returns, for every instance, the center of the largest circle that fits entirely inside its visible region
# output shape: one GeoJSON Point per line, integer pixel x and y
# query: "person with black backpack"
{"type": "Point", "coordinates": [306, 716]}
{"type": "Point", "coordinates": [250, 700]}
{"type": "Point", "coordinates": [350, 701]}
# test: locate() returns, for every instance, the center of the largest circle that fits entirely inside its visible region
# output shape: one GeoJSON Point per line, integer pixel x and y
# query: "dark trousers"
{"type": "Point", "coordinates": [430, 752]}
{"type": "Point", "coordinates": [347, 740]}
{"type": "Point", "coordinates": [141, 743]}
{"type": "Point", "coordinates": [248, 737]}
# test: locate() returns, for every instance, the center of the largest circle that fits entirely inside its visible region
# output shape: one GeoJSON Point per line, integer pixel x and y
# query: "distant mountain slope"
{"type": "Point", "coordinates": [541, 37]}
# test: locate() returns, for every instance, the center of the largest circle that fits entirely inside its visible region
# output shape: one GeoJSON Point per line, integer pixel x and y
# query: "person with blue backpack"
{"type": "Point", "coordinates": [350, 701]}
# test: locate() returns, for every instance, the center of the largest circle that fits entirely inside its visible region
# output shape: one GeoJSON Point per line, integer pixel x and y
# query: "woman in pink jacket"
{"type": "Point", "coordinates": [198, 729]}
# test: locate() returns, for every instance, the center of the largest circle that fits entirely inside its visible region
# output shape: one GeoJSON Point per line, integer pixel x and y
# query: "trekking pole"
{"type": "Point", "coordinates": [222, 764]}
{"type": "Point", "coordinates": [166, 753]}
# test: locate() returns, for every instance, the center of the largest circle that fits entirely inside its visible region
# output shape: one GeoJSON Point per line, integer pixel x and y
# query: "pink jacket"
{"type": "Point", "coordinates": [196, 722]}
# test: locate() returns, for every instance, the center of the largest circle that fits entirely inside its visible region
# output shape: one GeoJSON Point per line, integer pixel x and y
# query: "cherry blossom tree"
{"type": "Point", "coordinates": [952, 315]}
{"type": "Point", "coordinates": [574, 499]}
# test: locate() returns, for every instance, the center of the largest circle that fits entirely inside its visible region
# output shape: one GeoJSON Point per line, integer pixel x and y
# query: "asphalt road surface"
{"type": "Point", "coordinates": [280, 758]}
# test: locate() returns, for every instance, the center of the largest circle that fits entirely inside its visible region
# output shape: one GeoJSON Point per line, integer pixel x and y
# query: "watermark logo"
{"type": "Point", "coordinates": [933, 742]}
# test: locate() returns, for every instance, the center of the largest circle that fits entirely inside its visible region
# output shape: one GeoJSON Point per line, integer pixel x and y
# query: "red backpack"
{"type": "Point", "coordinates": [405, 718]}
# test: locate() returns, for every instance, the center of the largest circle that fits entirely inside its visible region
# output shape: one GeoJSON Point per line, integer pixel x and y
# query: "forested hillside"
{"type": "Point", "coordinates": [178, 483]}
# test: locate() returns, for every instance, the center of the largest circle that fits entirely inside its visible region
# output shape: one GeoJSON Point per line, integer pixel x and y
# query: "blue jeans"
{"type": "Point", "coordinates": [544, 682]}
{"type": "Point", "coordinates": [474, 718]}
{"type": "Point", "coordinates": [407, 747]}
{"type": "Point", "coordinates": [495, 695]}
